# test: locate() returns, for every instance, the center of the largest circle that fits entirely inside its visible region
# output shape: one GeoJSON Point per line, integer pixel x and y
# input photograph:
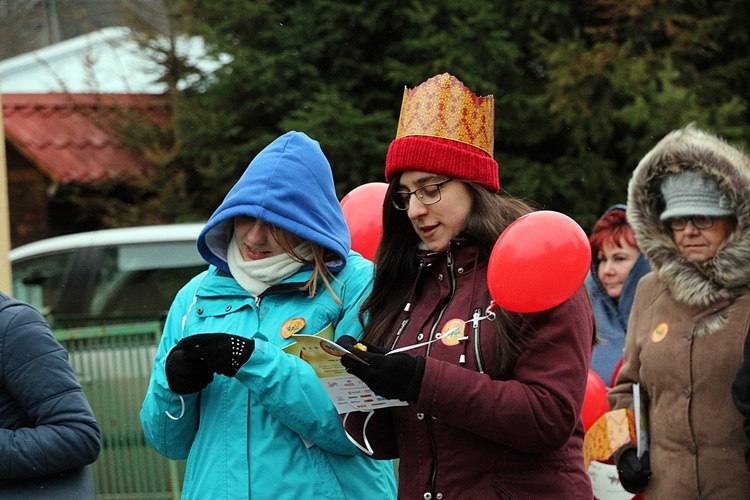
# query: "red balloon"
{"type": "Point", "coordinates": [363, 211]}
{"type": "Point", "coordinates": [538, 262]}
{"type": "Point", "coordinates": [595, 402]}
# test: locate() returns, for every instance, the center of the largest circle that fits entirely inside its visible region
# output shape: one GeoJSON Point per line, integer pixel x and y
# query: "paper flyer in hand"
{"type": "Point", "coordinates": [347, 392]}
{"type": "Point", "coordinates": [606, 482]}
{"type": "Point", "coordinates": [641, 420]}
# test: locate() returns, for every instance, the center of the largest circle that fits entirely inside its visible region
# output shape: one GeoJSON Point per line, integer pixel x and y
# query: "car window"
{"type": "Point", "coordinates": [142, 280]}
{"type": "Point", "coordinates": [39, 280]}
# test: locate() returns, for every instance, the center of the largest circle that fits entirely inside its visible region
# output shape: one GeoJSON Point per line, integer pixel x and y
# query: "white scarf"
{"type": "Point", "coordinates": [256, 276]}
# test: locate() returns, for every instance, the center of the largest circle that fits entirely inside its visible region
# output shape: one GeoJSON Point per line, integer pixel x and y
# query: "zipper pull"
{"type": "Point", "coordinates": [475, 320]}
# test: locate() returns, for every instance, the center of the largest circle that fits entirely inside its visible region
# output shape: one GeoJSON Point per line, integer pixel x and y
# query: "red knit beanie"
{"type": "Point", "coordinates": [443, 157]}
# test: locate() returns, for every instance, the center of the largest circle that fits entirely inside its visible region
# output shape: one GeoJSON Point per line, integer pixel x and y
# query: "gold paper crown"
{"type": "Point", "coordinates": [444, 107]}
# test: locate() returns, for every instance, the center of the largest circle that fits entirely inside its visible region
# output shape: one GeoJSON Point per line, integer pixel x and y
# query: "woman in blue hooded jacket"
{"type": "Point", "coordinates": [252, 420]}
{"type": "Point", "coordinates": [616, 267]}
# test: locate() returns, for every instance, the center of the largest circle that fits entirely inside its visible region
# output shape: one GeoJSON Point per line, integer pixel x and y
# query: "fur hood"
{"type": "Point", "coordinates": [728, 273]}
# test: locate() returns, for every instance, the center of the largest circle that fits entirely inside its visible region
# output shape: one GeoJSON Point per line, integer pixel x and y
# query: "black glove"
{"type": "Point", "coordinates": [220, 352]}
{"type": "Point", "coordinates": [191, 364]}
{"type": "Point", "coordinates": [186, 377]}
{"type": "Point", "coordinates": [633, 471]}
{"type": "Point", "coordinates": [398, 376]}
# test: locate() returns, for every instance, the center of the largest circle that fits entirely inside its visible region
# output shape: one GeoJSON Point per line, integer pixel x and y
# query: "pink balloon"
{"type": "Point", "coordinates": [363, 211]}
{"type": "Point", "coordinates": [595, 402]}
{"type": "Point", "coordinates": [538, 262]}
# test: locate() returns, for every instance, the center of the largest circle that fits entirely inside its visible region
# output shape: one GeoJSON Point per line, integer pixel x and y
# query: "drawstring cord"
{"type": "Point", "coordinates": [184, 320]}
{"type": "Point", "coordinates": [407, 307]}
{"type": "Point", "coordinates": [182, 413]}
{"type": "Point", "coordinates": [368, 451]}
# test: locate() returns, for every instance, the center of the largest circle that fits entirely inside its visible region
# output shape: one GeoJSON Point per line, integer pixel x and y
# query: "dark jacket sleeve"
{"type": "Point", "coordinates": [46, 422]}
{"type": "Point", "coordinates": [741, 396]}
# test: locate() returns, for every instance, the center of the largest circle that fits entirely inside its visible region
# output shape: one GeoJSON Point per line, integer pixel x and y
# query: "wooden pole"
{"type": "Point", "coordinates": [6, 281]}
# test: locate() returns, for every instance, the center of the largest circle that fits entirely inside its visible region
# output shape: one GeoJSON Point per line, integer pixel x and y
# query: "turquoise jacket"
{"type": "Point", "coordinates": [270, 432]}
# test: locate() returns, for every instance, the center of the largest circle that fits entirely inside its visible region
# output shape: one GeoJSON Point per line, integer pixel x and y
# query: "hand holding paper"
{"type": "Point", "coordinates": [393, 377]}
{"type": "Point", "coordinates": [347, 392]}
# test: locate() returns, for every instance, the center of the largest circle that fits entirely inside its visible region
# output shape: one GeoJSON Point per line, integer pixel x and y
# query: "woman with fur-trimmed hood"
{"type": "Point", "coordinates": [688, 203]}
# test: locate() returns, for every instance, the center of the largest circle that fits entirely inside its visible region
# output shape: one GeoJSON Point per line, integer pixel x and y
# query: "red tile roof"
{"type": "Point", "coordinates": [70, 136]}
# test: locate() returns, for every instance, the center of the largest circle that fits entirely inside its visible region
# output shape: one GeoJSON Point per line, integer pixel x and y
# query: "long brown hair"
{"type": "Point", "coordinates": [397, 267]}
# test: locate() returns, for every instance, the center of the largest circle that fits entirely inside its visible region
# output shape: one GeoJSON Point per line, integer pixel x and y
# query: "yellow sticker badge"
{"type": "Point", "coordinates": [659, 333]}
{"type": "Point", "coordinates": [291, 327]}
{"type": "Point", "coordinates": [453, 332]}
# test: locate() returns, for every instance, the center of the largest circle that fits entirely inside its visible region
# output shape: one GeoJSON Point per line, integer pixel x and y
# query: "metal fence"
{"type": "Point", "coordinates": [114, 364]}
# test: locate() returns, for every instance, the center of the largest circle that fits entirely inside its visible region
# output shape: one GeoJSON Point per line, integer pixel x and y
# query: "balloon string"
{"type": "Point", "coordinates": [414, 346]}
{"type": "Point", "coordinates": [489, 315]}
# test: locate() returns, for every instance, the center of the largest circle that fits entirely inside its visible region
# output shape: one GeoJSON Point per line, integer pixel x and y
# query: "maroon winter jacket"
{"type": "Point", "coordinates": [474, 433]}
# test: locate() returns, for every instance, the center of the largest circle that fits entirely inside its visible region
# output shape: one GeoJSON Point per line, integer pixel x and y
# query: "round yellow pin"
{"type": "Point", "coordinates": [453, 332]}
{"type": "Point", "coordinates": [659, 333]}
{"type": "Point", "coordinates": [292, 326]}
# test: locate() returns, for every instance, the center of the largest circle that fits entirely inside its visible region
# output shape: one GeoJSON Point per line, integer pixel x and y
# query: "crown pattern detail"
{"type": "Point", "coordinates": [444, 107]}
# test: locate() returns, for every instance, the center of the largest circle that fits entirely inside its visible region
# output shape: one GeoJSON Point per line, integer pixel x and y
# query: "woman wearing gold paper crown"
{"type": "Point", "coordinates": [494, 406]}
{"type": "Point", "coordinates": [688, 205]}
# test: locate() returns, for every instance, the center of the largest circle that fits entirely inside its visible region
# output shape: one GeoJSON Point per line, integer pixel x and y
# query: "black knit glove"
{"type": "Point", "coordinates": [221, 352]}
{"type": "Point", "coordinates": [398, 376]}
{"type": "Point", "coordinates": [191, 364]}
{"type": "Point", "coordinates": [186, 377]}
{"type": "Point", "coordinates": [634, 472]}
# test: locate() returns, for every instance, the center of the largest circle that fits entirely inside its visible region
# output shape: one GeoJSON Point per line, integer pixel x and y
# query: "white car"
{"type": "Point", "coordinates": [107, 276]}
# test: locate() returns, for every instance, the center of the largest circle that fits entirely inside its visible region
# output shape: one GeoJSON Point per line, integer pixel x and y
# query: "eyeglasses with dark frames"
{"type": "Point", "coordinates": [699, 222]}
{"type": "Point", "coordinates": [428, 195]}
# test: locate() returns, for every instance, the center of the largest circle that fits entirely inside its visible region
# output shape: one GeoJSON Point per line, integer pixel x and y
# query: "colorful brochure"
{"type": "Point", "coordinates": [347, 392]}
{"type": "Point", "coordinates": [605, 481]}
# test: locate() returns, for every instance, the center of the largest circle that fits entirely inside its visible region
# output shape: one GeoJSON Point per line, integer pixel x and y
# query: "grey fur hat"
{"type": "Point", "coordinates": [688, 193]}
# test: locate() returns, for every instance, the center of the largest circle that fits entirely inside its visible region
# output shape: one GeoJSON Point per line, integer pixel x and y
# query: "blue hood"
{"type": "Point", "coordinates": [290, 185]}
{"type": "Point", "coordinates": [612, 316]}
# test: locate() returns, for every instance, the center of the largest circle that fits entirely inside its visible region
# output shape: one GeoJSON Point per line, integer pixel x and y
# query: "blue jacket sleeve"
{"type": "Point", "coordinates": [289, 389]}
{"type": "Point", "coordinates": [169, 421]}
{"type": "Point", "coordinates": [47, 423]}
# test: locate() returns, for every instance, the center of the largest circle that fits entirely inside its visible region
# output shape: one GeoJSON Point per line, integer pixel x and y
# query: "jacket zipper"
{"type": "Point", "coordinates": [400, 331]}
{"type": "Point", "coordinates": [258, 300]}
{"type": "Point", "coordinates": [449, 263]}
{"type": "Point", "coordinates": [433, 479]}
